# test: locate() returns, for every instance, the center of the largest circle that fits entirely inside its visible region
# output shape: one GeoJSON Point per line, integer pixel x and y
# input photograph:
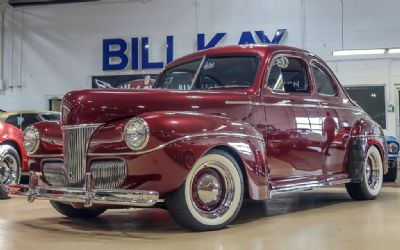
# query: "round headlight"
{"type": "Point", "coordinates": [31, 139]}
{"type": "Point", "coordinates": [393, 148]}
{"type": "Point", "coordinates": [136, 134]}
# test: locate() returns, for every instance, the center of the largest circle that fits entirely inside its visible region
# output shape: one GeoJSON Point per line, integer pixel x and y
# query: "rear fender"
{"type": "Point", "coordinates": [365, 134]}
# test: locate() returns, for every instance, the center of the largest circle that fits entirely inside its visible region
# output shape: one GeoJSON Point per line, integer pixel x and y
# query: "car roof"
{"type": "Point", "coordinates": [238, 49]}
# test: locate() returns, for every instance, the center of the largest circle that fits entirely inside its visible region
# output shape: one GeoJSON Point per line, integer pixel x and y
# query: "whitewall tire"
{"type": "Point", "coordinates": [212, 194]}
{"type": "Point", "coordinates": [371, 184]}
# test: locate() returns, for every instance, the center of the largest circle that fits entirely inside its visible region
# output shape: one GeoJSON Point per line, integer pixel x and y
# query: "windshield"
{"type": "Point", "coordinates": [50, 117]}
{"type": "Point", "coordinates": [211, 73]}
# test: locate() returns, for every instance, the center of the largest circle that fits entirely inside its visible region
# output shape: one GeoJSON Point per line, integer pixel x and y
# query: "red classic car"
{"type": "Point", "coordinates": [13, 159]}
{"type": "Point", "coordinates": [198, 143]}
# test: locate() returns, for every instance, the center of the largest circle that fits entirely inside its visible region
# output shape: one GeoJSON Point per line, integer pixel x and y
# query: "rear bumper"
{"type": "Point", "coordinates": [88, 196]}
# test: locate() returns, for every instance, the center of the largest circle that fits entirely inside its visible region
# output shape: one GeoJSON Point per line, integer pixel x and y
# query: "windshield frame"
{"type": "Point", "coordinates": [203, 58]}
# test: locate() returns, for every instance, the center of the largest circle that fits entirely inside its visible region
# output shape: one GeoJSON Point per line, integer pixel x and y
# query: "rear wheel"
{"type": "Point", "coordinates": [371, 183]}
{"type": "Point", "coordinates": [10, 165]}
{"type": "Point", "coordinates": [212, 194]}
{"type": "Point", "coordinates": [72, 212]}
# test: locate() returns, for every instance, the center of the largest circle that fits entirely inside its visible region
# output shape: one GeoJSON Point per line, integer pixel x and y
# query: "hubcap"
{"type": "Point", "coordinates": [372, 172]}
{"type": "Point", "coordinates": [9, 170]}
{"type": "Point", "coordinates": [212, 190]}
{"type": "Point", "coordinates": [209, 188]}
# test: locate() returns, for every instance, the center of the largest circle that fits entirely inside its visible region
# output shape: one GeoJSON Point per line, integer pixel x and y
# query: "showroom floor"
{"type": "Point", "coordinates": [320, 219]}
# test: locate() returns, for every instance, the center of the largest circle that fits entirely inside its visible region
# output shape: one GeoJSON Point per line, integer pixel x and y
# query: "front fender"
{"type": "Point", "coordinates": [166, 128]}
{"type": "Point", "coordinates": [177, 141]}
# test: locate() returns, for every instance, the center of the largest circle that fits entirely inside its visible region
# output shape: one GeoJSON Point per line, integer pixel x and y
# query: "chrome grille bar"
{"type": "Point", "coordinates": [76, 142]}
{"type": "Point", "coordinates": [108, 174]}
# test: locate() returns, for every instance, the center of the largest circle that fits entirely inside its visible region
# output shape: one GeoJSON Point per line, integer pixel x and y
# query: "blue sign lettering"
{"type": "Point", "coordinates": [109, 54]}
{"type": "Point", "coordinates": [211, 44]}
{"type": "Point", "coordinates": [115, 50]}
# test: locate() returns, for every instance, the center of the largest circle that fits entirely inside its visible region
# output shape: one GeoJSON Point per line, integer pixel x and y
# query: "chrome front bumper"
{"type": "Point", "coordinates": [88, 196]}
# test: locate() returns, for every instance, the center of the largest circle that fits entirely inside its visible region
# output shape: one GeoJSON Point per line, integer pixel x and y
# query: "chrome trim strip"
{"type": "Point", "coordinates": [308, 186]}
{"type": "Point", "coordinates": [47, 156]}
{"type": "Point", "coordinates": [87, 195]}
{"type": "Point", "coordinates": [367, 136]}
{"type": "Point", "coordinates": [290, 105]}
{"type": "Point", "coordinates": [88, 125]}
{"type": "Point", "coordinates": [176, 140]}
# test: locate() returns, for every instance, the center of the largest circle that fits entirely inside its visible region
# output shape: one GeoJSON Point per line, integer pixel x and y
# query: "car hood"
{"type": "Point", "coordinates": [102, 106]}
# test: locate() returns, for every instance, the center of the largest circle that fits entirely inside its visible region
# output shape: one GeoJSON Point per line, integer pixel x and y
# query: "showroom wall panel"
{"type": "Point", "coordinates": [51, 50]}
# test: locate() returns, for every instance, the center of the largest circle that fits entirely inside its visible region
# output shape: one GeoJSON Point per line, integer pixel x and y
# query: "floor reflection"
{"type": "Point", "coordinates": [316, 219]}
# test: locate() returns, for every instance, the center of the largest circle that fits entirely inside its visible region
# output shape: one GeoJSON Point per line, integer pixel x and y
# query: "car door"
{"type": "Point", "coordinates": [294, 129]}
{"type": "Point", "coordinates": [335, 127]}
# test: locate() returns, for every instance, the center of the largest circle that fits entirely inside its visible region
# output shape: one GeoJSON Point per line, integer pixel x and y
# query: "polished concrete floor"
{"type": "Point", "coordinates": [319, 219]}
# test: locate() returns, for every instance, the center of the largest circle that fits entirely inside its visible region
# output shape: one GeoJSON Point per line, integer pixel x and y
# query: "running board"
{"type": "Point", "coordinates": [308, 186]}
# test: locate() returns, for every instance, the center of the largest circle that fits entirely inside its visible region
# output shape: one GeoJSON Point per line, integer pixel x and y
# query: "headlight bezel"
{"type": "Point", "coordinates": [144, 129]}
{"type": "Point", "coordinates": [389, 147]}
{"type": "Point", "coordinates": [37, 138]}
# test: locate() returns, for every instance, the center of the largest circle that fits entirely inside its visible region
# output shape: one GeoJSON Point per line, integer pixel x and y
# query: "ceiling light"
{"type": "Point", "coordinates": [356, 52]}
{"type": "Point", "coordinates": [394, 51]}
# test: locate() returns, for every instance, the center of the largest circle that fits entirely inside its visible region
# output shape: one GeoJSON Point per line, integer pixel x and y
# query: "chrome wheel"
{"type": "Point", "coordinates": [212, 190]}
{"type": "Point", "coordinates": [212, 194]}
{"type": "Point", "coordinates": [373, 172]}
{"type": "Point", "coordinates": [9, 169]}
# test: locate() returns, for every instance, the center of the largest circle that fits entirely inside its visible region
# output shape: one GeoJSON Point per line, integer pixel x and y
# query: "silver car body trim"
{"type": "Point", "coordinates": [367, 136]}
{"type": "Point", "coordinates": [87, 195]}
{"type": "Point", "coordinates": [88, 125]}
{"type": "Point", "coordinates": [177, 140]}
{"type": "Point", "coordinates": [291, 105]}
{"type": "Point", "coordinates": [308, 186]}
{"type": "Point", "coordinates": [47, 156]}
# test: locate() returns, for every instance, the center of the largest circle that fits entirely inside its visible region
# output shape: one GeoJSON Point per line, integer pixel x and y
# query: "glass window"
{"type": "Point", "coordinates": [13, 120]}
{"type": "Point", "coordinates": [291, 79]}
{"type": "Point", "coordinates": [50, 117]}
{"type": "Point", "coordinates": [179, 77]}
{"type": "Point", "coordinates": [215, 73]}
{"type": "Point", "coordinates": [323, 82]}
{"type": "Point", "coordinates": [372, 100]}
{"type": "Point", "coordinates": [29, 119]}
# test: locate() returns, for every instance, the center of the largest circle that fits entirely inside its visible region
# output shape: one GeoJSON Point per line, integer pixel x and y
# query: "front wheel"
{"type": "Point", "coordinates": [10, 165]}
{"type": "Point", "coordinates": [212, 194]}
{"type": "Point", "coordinates": [72, 212]}
{"type": "Point", "coordinates": [371, 183]}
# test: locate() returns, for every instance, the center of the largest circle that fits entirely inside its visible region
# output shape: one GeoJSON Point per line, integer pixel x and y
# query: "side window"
{"type": "Point", "coordinates": [13, 120]}
{"type": "Point", "coordinates": [323, 82]}
{"type": "Point", "coordinates": [289, 77]}
{"type": "Point", "coordinates": [29, 119]}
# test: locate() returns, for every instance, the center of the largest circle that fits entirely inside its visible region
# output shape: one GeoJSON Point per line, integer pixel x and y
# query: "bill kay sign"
{"type": "Point", "coordinates": [118, 56]}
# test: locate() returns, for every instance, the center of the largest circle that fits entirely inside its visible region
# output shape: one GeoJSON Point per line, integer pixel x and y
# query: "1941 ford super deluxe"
{"type": "Point", "coordinates": [219, 126]}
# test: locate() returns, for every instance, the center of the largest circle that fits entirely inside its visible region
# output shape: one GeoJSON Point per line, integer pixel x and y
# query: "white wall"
{"type": "Point", "coordinates": [51, 50]}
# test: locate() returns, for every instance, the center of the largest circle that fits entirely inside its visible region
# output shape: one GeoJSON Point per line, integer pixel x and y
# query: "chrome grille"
{"type": "Point", "coordinates": [108, 174]}
{"type": "Point", "coordinates": [76, 142]}
{"type": "Point", "coordinates": [55, 174]}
